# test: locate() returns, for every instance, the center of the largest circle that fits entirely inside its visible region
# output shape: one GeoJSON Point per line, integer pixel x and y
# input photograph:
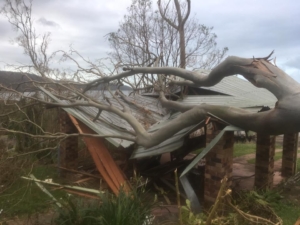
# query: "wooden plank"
{"type": "Point", "coordinates": [105, 163]}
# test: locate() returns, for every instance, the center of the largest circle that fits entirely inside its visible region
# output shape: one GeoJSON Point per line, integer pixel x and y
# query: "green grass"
{"type": "Point", "coordinates": [277, 156]}
{"type": "Point", "coordinates": [288, 212]}
{"type": "Point", "coordinates": [240, 149]}
{"type": "Point", "coordinates": [264, 202]}
{"type": "Point", "coordinates": [25, 198]}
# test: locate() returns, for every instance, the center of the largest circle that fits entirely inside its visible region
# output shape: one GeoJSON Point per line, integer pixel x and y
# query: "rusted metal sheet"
{"type": "Point", "coordinates": [106, 165]}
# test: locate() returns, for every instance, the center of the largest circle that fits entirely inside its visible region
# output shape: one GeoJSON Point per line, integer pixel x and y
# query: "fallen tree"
{"type": "Point", "coordinates": [259, 71]}
{"type": "Point", "coordinates": [283, 118]}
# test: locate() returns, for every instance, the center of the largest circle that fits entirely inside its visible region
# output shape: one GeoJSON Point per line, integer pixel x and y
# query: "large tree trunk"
{"type": "Point", "coordinates": [284, 118]}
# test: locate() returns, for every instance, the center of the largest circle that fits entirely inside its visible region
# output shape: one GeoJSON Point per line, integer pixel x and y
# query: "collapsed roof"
{"type": "Point", "coordinates": [231, 91]}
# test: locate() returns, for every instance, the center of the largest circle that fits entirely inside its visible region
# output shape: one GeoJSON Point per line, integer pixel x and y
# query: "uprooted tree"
{"type": "Point", "coordinates": [259, 71]}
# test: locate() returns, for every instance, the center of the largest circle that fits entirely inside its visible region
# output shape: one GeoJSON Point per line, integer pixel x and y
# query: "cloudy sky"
{"type": "Point", "coordinates": [248, 28]}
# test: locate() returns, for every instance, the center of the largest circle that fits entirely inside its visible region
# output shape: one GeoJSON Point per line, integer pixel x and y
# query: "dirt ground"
{"type": "Point", "coordinates": [45, 218]}
{"type": "Point", "coordinates": [243, 172]}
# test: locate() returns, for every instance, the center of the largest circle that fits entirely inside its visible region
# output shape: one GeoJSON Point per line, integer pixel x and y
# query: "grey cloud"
{"type": "Point", "coordinates": [294, 62]}
{"type": "Point", "coordinates": [252, 27]}
{"type": "Point", "coordinates": [6, 31]}
{"type": "Point", "coordinates": [46, 22]}
{"type": "Point", "coordinates": [248, 28]}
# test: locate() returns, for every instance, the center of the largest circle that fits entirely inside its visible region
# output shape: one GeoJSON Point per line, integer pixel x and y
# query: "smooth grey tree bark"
{"type": "Point", "coordinates": [284, 118]}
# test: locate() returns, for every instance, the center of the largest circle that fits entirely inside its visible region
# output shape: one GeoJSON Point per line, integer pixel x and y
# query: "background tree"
{"type": "Point", "coordinates": [18, 14]}
{"type": "Point", "coordinates": [180, 26]}
{"type": "Point", "coordinates": [147, 34]}
{"type": "Point", "coordinates": [36, 47]}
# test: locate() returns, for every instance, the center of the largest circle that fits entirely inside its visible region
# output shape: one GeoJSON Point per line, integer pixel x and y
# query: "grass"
{"type": "Point", "coordinates": [288, 212]}
{"type": "Point", "coordinates": [25, 198]}
{"type": "Point", "coordinates": [277, 156]}
{"type": "Point", "coordinates": [265, 202]}
{"type": "Point", "coordinates": [240, 149]}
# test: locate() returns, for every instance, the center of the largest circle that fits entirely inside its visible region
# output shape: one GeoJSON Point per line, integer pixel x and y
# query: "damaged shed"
{"type": "Point", "coordinates": [216, 136]}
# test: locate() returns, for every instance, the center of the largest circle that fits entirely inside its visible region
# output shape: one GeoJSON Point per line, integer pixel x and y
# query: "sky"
{"type": "Point", "coordinates": [248, 28]}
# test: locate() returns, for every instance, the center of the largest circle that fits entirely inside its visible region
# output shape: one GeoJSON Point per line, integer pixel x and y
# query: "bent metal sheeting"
{"type": "Point", "coordinates": [171, 144]}
{"type": "Point", "coordinates": [109, 123]}
{"type": "Point", "coordinates": [105, 164]}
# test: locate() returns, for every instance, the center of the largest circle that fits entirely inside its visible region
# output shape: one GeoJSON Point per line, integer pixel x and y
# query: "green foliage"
{"type": "Point", "coordinates": [189, 218]}
{"type": "Point", "coordinates": [30, 118]}
{"type": "Point", "coordinates": [24, 197]}
{"type": "Point", "coordinates": [79, 213]}
{"type": "Point", "coordinates": [259, 203]}
{"type": "Point", "coordinates": [266, 197]}
{"type": "Point", "coordinates": [125, 209]}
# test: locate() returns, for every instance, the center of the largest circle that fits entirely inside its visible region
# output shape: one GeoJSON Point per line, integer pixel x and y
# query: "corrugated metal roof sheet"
{"type": "Point", "coordinates": [100, 127]}
{"type": "Point", "coordinates": [239, 93]}
{"type": "Point", "coordinates": [239, 102]}
{"type": "Point", "coordinates": [111, 124]}
{"type": "Point", "coordinates": [237, 87]}
{"type": "Point", "coordinates": [171, 144]}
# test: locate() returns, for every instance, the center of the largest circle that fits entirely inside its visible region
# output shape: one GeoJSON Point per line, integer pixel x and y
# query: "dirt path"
{"type": "Point", "coordinates": [243, 172]}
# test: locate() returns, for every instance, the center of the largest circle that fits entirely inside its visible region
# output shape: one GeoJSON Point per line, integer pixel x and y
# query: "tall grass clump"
{"type": "Point", "coordinates": [132, 208]}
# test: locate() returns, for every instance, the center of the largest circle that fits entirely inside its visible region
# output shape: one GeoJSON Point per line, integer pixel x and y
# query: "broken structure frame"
{"type": "Point", "coordinates": [216, 158]}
